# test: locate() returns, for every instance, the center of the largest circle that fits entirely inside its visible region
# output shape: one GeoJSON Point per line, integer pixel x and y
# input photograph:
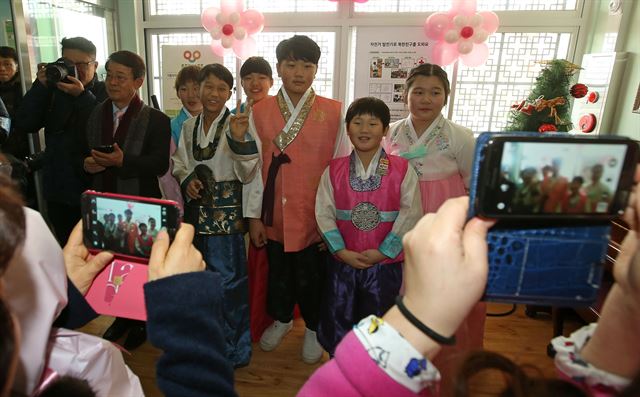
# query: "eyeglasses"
{"type": "Point", "coordinates": [84, 65]}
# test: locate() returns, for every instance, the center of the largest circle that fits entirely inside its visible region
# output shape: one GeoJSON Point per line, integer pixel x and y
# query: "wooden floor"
{"type": "Point", "coordinates": [281, 373]}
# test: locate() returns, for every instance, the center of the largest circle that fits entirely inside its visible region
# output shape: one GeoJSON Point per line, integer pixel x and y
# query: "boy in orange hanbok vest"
{"type": "Point", "coordinates": [296, 133]}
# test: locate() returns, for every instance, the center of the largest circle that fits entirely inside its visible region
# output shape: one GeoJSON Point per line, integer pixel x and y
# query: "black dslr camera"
{"type": "Point", "coordinates": [59, 71]}
{"type": "Point", "coordinates": [34, 162]}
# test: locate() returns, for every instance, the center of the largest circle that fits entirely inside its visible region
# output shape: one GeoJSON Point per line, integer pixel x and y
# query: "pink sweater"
{"type": "Point", "coordinates": [354, 372]}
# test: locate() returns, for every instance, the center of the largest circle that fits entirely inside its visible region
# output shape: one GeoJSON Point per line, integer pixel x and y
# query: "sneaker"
{"type": "Point", "coordinates": [311, 349]}
{"type": "Point", "coordinates": [273, 335]}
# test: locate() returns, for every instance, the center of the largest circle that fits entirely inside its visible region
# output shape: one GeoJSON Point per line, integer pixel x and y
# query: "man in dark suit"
{"type": "Point", "coordinates": [139, 139]}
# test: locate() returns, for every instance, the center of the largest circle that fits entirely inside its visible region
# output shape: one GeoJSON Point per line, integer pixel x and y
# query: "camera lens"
{"type": "Point", "coordinates": [55, 73]}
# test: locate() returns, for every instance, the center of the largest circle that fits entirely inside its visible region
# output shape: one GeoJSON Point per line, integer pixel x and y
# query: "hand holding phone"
{"type": "Point", "coordinates": [553, 196]}
{"type": "Point", "coordinates": [169, 259]}
{"type": "Point", "coordinates": [114, 158]}
{"type": "Point", "coordinates": [104, 148]}
{"type": "Point", "coordinates": [445, 265]}
{"type": "Point", "coordinates": [127, 226]}
{"type": "Point", "coordinates": [81, 266]}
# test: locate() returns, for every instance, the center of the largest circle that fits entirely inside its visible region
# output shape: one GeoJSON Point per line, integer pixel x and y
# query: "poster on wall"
{"type": "Point", "coordinates": [174, 58]}
{"type": "Point", "coordinates": [384, 57]}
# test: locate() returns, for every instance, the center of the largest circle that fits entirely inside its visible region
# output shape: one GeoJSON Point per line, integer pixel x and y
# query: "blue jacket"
{"type": "Point", "coordinates": [176, 125]}
{"type": "Point", "coordinates": [184, 320]}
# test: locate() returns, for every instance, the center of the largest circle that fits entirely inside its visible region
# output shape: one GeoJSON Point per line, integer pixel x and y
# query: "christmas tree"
{"type": "Point", "coordinates": [548, 107]}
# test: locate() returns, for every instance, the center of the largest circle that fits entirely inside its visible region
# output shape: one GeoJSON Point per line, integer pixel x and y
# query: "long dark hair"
{"type": "Point", "coordinates": [519, 383]}
{"type": "Point", "coordinates": [7, 344]}
{"type": "Point", "coordinates": [12, 222]}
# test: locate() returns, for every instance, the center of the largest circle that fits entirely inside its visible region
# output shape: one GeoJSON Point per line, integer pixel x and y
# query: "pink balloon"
{"type": "Point", "coordinates": [444, 53]}
{"type": "Point", "coordinates": [436, 25]}
{"type": "Point", "coordinates": [252, 21]}
{"type": "Point", "coordinates": [217, 48]}
{"type": "Point", "coordinates": [208, 18]}
{"type": "Point", "coordinates": [490, 21]}
{"type": "Point", "coordinates": [465, 7]}
{"type": "Point", "coordinates": [230, 6]}
{"type": "Point", "coordinates": [244, 48]}
{"type": "Point", "coordinates": [477, 56]}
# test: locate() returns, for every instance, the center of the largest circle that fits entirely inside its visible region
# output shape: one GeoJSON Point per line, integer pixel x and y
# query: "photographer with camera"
{"type": "Point", "coordinates": [60, 100]}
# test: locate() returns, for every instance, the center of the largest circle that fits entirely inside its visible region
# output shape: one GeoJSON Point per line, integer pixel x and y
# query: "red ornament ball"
{"type": "Point", "coordinates": [227, 29]}
{"type": "Point", "coordinates": [578, 90]}
{"type": "Point", "coordinates": [587, 122]}
{"type": "Point", "coordinates": [547, 127]}
{"type": "Point", "coordinates": [593, 97]}
{"type": "Point", "coordinates": [466, 32]}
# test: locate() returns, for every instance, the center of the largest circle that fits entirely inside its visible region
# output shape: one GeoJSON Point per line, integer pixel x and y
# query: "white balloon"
{"type": "Point", "coordinates": [460, 21]}
{"type": "Point", "coordinates": [476, 20]}
{"type": "Point", "coordinates": [480, 36]}
{"type": "Point", "coordinates": [451, 36]}
{"type": "Point", "coordinates": [465, 46]}
{"type": "Point", "coordinates": [240, 33]}
{"type": "Point", "coordinates": [216, 33]}
{"type": "Point", "coordinates": [234, 18]}
{"type": "Point", "coordinates": [221, 19]}
{"type": "Point", "coordinates": [227, 41]}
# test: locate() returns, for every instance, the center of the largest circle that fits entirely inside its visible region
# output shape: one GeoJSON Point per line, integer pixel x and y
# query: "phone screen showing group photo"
{"type": "Point", "coordinates": [126, 227]}
{"type": "Point", "coordinates": [558, 177]}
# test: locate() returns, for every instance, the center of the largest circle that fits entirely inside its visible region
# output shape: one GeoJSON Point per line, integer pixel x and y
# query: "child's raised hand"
{"type": "Point", "coordinates": [239, 122]}
{"type": "Point", "coordinates": [354, 259]}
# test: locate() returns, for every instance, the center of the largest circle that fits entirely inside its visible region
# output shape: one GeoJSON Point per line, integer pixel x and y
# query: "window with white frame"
{"type": "Point", "coordinates": [482, 96]}
{"type": "Point", "coordinates": [172, 7]}
{"type": "Point", "coordinates": [51, 21]}
{"type": "Point", "coordinates": [443, 5]}
{"type": "Point", "coordinates": [266, 45]}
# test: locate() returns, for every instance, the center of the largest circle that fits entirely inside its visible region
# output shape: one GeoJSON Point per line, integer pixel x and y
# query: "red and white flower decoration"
{"type": "Point", "coordinates": [231, 28]}
{"type": "Point", "coordinates": [461, 33]}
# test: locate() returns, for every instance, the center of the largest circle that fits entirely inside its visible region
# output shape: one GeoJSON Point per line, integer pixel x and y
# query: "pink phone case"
{"type": "Point", "coordinates": [118, 289]}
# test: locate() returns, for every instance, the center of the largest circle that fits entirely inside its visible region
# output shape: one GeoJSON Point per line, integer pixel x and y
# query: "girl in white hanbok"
{"type": "Point", "coordinates": [440, 150]}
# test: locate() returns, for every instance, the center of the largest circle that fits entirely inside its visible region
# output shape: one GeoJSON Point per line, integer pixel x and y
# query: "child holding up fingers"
{"type": "Point", "coordinates": [213, 185]}
{"type": "Point", "coordinates": [364, 205]}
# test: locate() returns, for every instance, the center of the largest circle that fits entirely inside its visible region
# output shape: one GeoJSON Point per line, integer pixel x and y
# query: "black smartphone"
{"type": "Point", "coordinates": [104, 148]}
{"type": "Point", "coordinates": [561, 176]}
{"type": "Point", "coordinates": [126, 225]}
